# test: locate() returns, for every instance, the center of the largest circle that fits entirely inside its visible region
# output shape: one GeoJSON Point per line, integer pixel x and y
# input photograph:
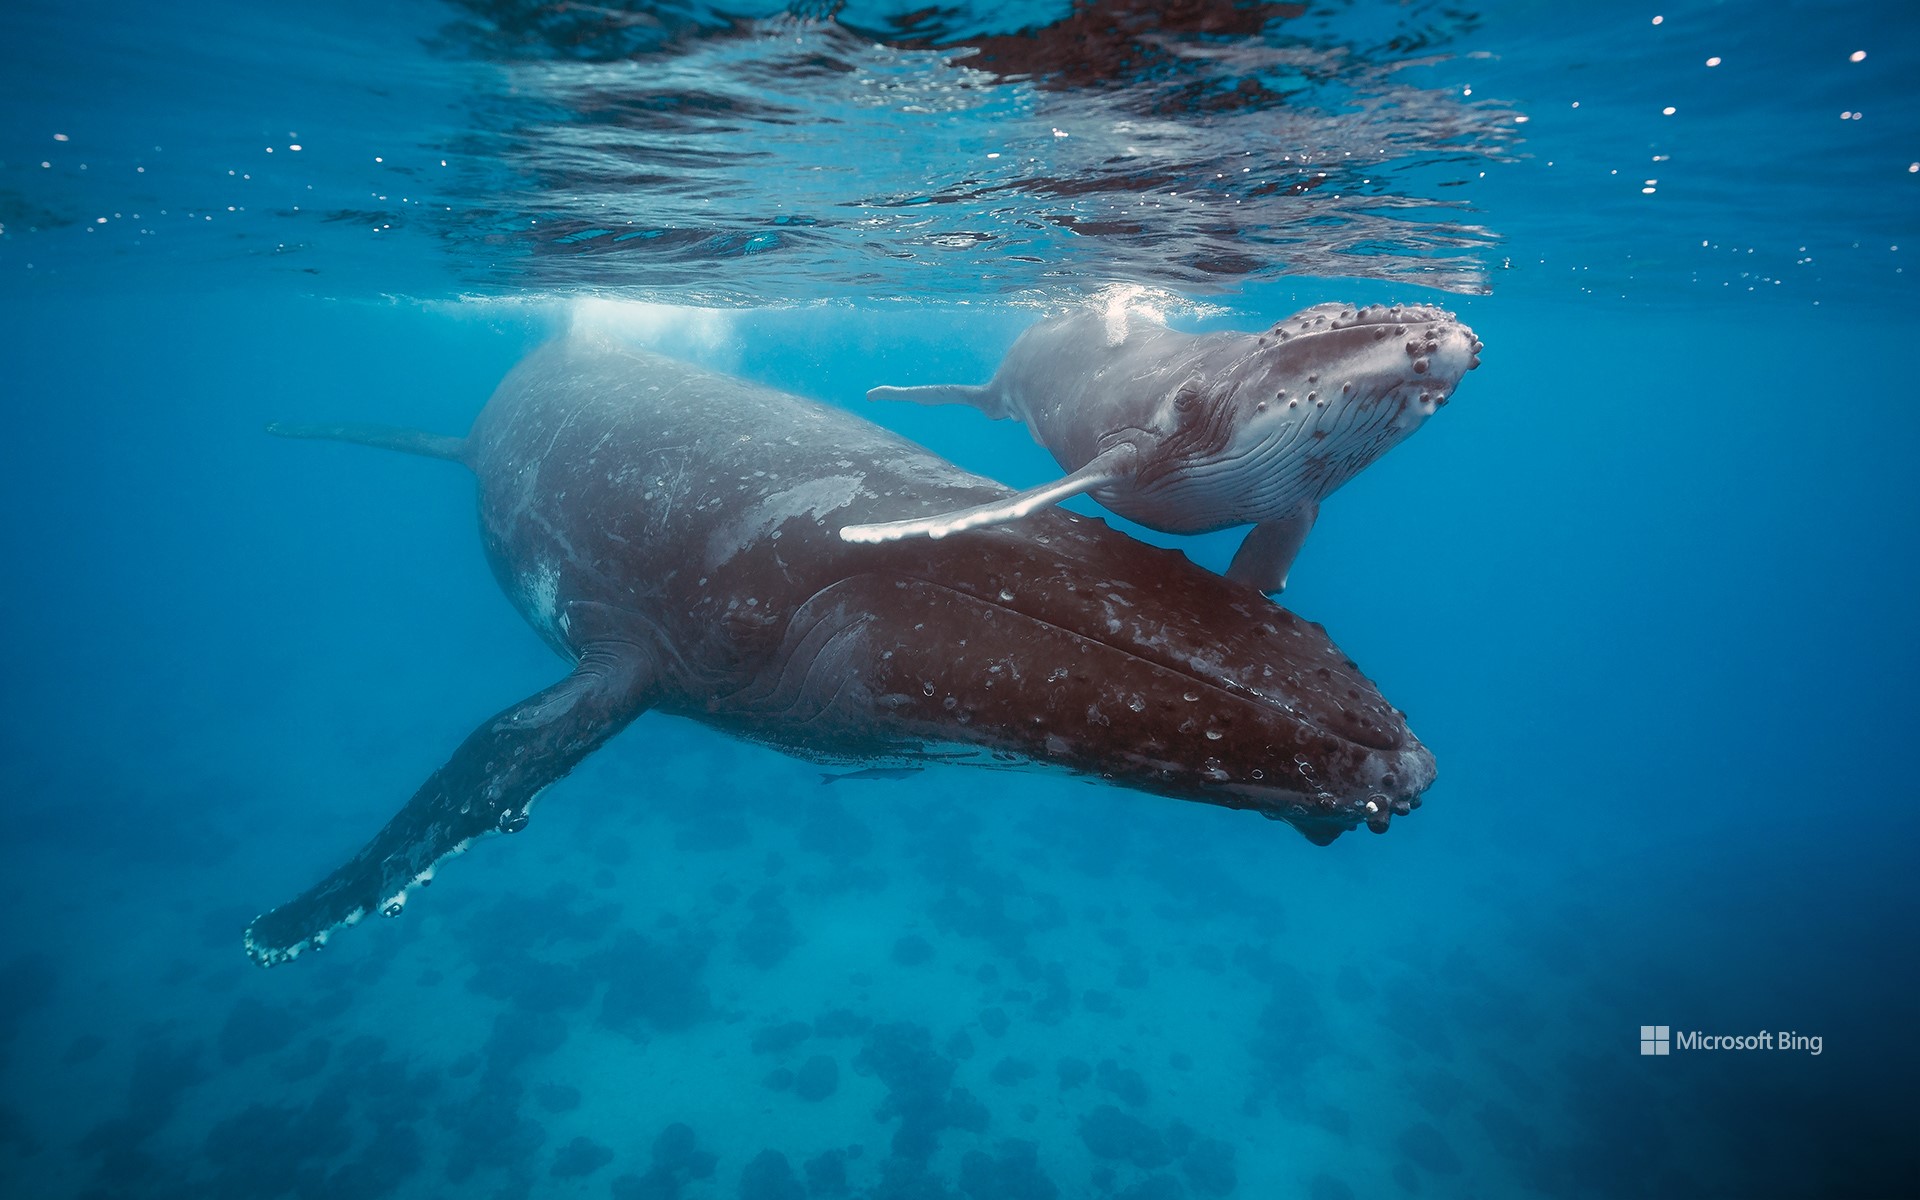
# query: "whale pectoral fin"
{"type": "Point", "coordinates": [986, 398]}
{"type": "Point", "coordinates": [1110, 466]}
{"type": "Point", "coordinates": [487, 786]}
{"type": "Point", "coordinates": [1264, 559]}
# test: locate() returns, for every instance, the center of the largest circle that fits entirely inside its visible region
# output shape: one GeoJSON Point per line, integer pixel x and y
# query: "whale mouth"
{"type": "Point", "coordinates": [1399, 769]}
{"type": "Point", "coordinates": [1159, 654]}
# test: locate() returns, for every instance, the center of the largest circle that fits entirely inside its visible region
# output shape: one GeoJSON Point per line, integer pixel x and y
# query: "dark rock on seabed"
{"type": "Point", "coordinates": [580, 1157]}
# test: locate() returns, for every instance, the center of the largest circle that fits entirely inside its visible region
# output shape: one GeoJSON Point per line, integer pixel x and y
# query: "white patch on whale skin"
{"type": "Point", "coordinates": [542, 591]}
{"type": "Point", "coordinates": [814, 498]}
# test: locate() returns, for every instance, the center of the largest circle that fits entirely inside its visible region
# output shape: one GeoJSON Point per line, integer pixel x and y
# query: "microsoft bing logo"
{"type": "Point", "coordinates": [1660, 1039]}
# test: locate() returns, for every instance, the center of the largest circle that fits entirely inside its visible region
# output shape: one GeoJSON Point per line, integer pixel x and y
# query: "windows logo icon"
{"type": "Point", "coordinates": [1653, 1039]}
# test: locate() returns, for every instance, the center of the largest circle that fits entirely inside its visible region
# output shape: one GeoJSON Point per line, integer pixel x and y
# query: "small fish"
{"type": "Point", "coordinates": [870, 773]}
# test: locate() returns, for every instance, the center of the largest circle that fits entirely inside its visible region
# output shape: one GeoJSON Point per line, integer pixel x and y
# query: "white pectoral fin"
{"type": "Point", "coordinates": [1106, 468]}
{"type": "Point", "coordinates": [1264, 559]}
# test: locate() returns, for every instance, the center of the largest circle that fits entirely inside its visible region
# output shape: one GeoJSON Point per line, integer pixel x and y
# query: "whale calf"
{"type": "Point", "coordinates": [1188, 433]}
{"type": "Point", "coordinates": [674, 534]}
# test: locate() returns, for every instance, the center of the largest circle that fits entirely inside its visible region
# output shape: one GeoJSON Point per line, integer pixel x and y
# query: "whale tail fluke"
{"type": "Point", "coordinates": [384, 437]}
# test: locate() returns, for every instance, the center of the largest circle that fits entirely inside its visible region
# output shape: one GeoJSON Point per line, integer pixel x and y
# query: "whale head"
{"type": "Point", "coordinates": [1263, 423]}
{"type": "Point", "coordinates": [1057, 641]}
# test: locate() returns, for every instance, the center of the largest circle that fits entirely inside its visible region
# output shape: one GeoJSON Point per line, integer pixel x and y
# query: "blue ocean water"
{"type": "Point", "coordinates": [1644, 588]}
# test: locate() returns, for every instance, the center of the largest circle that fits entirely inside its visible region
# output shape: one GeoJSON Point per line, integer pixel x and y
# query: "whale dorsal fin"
{"type": "Point", "coordinates": [1264, 559]}
{"type": "Point", "coordinates": [986, 398]}
{"type": "Point", "coordinates": [1109, 466]}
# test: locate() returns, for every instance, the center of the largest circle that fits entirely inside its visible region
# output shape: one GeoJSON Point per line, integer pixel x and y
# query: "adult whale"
{"type": "Point", "coordinates": [675, 535]}
{"type": "Point", "coordinates": [1188, 433]}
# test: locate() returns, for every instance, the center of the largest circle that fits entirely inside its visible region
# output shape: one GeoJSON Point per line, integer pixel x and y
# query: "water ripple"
{"type": "Point", "coordinates": [672, 151]}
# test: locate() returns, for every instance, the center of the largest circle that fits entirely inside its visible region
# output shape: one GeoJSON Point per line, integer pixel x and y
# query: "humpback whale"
{"type": "Point", "coordinates": [1188, 433]}
{"type": "Point", "coordinates": [674, 534]}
